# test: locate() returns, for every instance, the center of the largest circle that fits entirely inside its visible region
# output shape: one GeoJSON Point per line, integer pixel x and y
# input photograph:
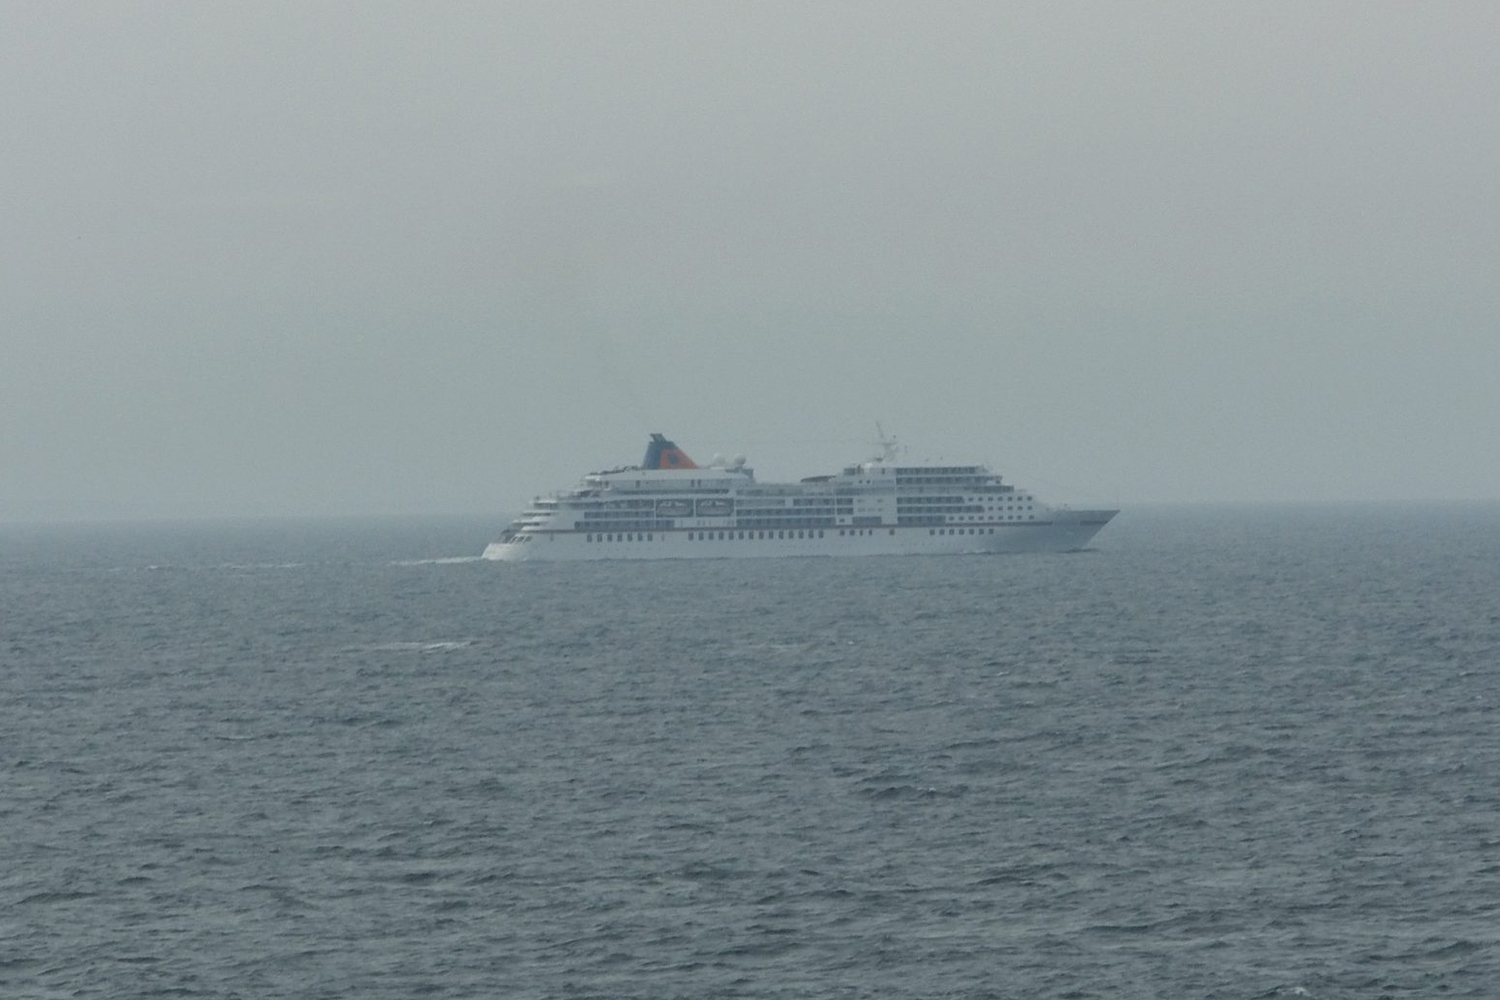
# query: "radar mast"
{"type": "Point", "coordinates": [887, 444]}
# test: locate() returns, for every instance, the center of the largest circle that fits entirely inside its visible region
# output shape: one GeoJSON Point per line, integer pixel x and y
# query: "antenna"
{"type": "Point", "coordinates": [887, 444]}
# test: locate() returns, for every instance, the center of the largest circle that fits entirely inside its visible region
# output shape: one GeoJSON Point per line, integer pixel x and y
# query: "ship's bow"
{"type": "Point", "coordinates": [1074, 529]}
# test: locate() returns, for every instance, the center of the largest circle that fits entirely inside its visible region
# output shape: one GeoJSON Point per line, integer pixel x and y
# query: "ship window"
{"type": "Point", "coordinates": [820, 532]}
{"type": "Point", "coordinates": [893, 531]}
{"type": "Point", "coordinates": [650, 537]}
{"type": "Point", "coordinates": [690, 536]}
{"type": "Point", "coordinates": [588, 538]}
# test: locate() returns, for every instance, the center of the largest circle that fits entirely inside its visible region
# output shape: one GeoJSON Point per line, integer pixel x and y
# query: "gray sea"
{"type": "Point", "coordinates": [1228, 752]}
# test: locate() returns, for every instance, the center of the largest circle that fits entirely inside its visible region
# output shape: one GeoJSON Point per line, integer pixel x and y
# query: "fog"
{"type": "Point", "coordinates": [293, 259]}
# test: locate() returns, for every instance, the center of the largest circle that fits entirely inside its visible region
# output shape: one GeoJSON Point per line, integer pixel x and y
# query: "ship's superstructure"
{"type": "Point", "coordinates": [668, 507]}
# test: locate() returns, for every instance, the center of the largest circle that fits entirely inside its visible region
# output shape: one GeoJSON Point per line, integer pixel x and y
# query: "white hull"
{"type": "Point", "coordinates": [1064, 531]}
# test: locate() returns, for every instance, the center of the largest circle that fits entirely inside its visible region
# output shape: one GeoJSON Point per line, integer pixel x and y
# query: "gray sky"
{"type": "Point", "coordinates": [308, 258]}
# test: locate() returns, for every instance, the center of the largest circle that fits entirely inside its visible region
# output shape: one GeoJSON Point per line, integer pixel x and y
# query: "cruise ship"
{"type": "Point", "coordinates": [668, 507]}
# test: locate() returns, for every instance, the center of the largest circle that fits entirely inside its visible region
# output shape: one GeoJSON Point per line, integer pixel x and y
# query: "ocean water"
{"type": "Point", "coordinates": [1228, 752]}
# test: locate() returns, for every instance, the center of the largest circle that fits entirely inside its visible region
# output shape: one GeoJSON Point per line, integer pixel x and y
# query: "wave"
{"type": "Point", "coordinates": [414, 647]}
{"type": "Point", "coordinates": [442, 561]}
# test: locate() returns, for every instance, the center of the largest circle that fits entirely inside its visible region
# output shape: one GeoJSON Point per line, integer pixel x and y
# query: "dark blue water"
{"type": "Point", "coordinates": [1228, 753]}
